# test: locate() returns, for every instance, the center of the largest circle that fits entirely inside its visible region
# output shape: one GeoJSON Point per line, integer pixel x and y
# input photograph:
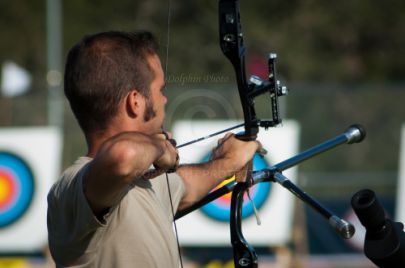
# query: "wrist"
{"type": "Point", "coordinates": [223, 168]}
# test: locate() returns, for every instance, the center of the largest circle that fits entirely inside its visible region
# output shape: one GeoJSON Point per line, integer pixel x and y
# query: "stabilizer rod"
{"type": "Point", "coordinates": [353, 134]}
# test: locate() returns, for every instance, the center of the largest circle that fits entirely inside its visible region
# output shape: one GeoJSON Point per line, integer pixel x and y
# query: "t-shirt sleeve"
{"type": "Point", "coordinates": [71, 222]}
{"type": "Point", "coordinates": [176, 187]}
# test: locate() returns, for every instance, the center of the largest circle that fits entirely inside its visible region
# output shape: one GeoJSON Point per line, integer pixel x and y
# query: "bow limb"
{"type": "Point", "coordinates": [244, 254]}
{"type": "Point", "coordinates": [231, 42]}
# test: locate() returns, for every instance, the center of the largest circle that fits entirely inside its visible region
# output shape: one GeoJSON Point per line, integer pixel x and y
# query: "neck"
{"type": "Point", "coordinates": [96, 138]}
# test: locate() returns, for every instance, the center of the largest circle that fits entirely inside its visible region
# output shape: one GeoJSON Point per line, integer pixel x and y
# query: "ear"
{"type": "Point", "coordinates": [134, 103]}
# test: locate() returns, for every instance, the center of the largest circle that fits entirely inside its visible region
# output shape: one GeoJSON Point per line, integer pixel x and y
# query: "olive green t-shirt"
{"type": "Point", "coordinates": [137, 232]}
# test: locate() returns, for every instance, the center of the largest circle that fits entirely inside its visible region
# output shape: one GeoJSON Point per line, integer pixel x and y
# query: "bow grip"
{"type": "Point", "coordinates": [245, 137]}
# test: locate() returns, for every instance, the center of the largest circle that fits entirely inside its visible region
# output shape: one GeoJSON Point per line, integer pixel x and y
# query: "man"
{"type": "Point", "coordinates": [106, 210]}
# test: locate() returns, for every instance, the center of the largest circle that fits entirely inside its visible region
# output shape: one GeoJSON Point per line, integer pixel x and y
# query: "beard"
{"type": "Point", "coordinates": [149, 111]}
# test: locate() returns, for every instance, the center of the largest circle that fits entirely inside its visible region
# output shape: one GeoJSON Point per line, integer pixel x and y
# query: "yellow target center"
{"type": "Point", "coordinates": [4, 189]}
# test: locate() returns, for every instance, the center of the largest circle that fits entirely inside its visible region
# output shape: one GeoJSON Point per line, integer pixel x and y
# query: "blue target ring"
{"type": "Point", "coordinates": [16, 188]}
{"type": "Point", "coordinates": [219, 209]}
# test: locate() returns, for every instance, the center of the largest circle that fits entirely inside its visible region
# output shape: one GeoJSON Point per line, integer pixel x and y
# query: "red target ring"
{"type": "Point", "coordinates": [7, 190]}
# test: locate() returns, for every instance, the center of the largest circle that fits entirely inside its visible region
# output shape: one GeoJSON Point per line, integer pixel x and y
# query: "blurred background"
{"type": "Point", "coordinates": [341, 61]}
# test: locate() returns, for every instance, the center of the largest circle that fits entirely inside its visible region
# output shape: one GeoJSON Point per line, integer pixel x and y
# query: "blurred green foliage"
{"type": "Point", "coordinates": [327, 41]}
{"type": "Point", "coordinates": [342, 60]}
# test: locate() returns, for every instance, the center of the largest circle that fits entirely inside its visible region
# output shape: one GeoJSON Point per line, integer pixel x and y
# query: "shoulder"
{"type": "Point", "coordinates": [170, 187]}
{"type": "Point", "coordinates": [70, 178]}
{"type": "Point", "coordinates": [70, 219]}
{"type": "Point", "coordinates": [174, 180]}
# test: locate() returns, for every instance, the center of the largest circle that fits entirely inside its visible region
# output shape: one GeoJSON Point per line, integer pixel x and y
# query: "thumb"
{"type": "Point", "coordinates": [244, 173]}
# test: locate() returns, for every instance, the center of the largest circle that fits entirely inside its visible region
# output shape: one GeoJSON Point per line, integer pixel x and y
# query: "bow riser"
{"type": "Point", "coordinates": [231, 42]}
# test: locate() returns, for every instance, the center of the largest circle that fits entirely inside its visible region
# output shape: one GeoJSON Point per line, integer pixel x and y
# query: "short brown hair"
{"type": "Point", "coordinates": [101, 69]}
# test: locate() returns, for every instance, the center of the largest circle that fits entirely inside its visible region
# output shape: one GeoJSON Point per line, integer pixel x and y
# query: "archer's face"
{"type": "Point", "coordinates": [154, 113]}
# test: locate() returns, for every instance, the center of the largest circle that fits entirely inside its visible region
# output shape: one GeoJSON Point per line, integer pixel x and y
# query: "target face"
{"type": "Point", "coordinates": [16, 188]}
{"type": "Point", "coordinates": [219, 209]}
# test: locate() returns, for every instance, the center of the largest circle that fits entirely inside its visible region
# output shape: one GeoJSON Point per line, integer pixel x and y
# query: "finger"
{"type": "Point", "coordinates": [160, 136]}
{"type": "Point", "coordinates": [223, 139]}
{"type": "Point", "coordinates": [227, 135]}
{"type": "Point", "coordinates": [220, 141]}
{"type": "Point", "coordinates": [213, 153]}
{"type": "Point", "coordinates": [175, 166]}
{"type": "Point", "coordinates": [167, 134]}
{"type": "Point", "coordinates": [173, 142]}
{"type": "Point", "coordinates": [177, 160]}
{"type": "Point", "coordinates": [260, 149]}
{"type": "Point", "coordinates": [169, 137]}
{"type": "Point", "coordinates": [241, 175]}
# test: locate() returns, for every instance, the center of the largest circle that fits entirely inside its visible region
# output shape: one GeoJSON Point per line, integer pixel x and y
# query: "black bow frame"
{"type": "Point", "coordinates": [232, 45]}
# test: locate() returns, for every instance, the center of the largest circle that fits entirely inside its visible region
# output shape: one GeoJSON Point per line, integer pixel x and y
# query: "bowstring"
{"type": "Point", "coordinates": [167, 176]}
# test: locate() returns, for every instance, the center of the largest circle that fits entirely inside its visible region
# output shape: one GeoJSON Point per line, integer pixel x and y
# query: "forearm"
{"type": "Point", "coordinates": [200, 179]}
{"type": "Point", "coordinates": [130, 155]}
{"type": "Point", "coordinates": [119, 161]}
{"type": "Point", "coordinates": [230, 157]}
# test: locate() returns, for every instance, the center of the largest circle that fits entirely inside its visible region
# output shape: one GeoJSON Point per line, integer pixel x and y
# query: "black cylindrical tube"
{"type": "Point", "coordinates": [369, 210]}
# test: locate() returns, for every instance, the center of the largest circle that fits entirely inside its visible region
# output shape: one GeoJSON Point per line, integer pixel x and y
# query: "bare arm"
{"type": "Point", "coordinates": [121, 160]}
{"type": "Point", "coordinates": [229, 158]}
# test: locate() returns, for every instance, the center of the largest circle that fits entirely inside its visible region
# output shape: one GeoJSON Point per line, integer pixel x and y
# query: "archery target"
{"type": "Point", "coordinates": [29, 164]}
{"type": "Point", "coordinates": [219, 208]}
{"type": "Point", "coordinates": [210, 224]}
{"type": "Point", "coordinates": [16, 188]}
